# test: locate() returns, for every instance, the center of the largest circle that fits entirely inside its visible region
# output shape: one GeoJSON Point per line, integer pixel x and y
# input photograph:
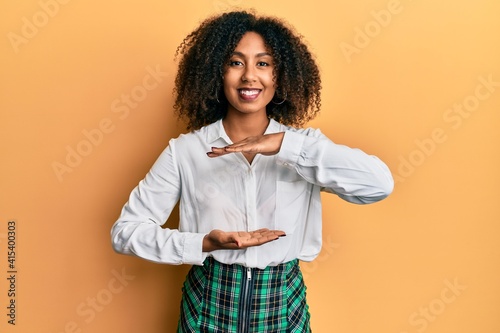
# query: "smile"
{"type": "Point", "coordinates": [248, 94]}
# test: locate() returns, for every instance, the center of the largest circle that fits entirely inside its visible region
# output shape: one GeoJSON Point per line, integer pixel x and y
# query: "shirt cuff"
{"type": "Point", "coordinates": [193, 249]}
{"type": "Point", "coordinates": [291, 146]}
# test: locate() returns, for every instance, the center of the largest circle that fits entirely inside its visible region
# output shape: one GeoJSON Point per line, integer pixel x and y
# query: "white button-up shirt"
{"type": "Point", "coordinates": [277, 192]}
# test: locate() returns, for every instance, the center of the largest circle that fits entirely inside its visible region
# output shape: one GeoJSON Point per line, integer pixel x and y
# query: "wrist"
{"type": "Point", "coordinates": [207, 245]}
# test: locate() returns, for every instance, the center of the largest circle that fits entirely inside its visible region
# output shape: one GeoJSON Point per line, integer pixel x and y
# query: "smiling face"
{"type": "Point", "coordinates": [249, 76]}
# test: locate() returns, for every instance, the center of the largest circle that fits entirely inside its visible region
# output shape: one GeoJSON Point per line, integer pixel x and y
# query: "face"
{"type": "Point", "coordinates": [248, 77]}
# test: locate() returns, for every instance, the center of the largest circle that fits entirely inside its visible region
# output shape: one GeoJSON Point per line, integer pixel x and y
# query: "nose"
{"type": "Point", "coordinates": [248, 74]}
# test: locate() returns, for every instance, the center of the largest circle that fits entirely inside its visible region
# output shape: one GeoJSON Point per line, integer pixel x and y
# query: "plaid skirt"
{"type": "Point", "coordinates": [221, 298]}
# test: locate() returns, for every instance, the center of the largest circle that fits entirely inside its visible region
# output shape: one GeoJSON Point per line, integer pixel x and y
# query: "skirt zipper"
{"type": "Point", "coordinates": [245, 301]}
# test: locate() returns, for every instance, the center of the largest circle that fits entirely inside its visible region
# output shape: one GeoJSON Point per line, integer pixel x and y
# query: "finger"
{"type": "Point", "coordinates": [211, 154]}
{"type": "Point", "coordinates": [265, 232]}
{"type": "Point", "coordinates": [215, 152]}
{"type": "Point", "coordinates": [245, 142]}
{"type": "Point", "coordinates": [219, 150]}
{"type": "Point", "coordinates": [267, 236]}
{"type": "Point", "coordinates": [244, 239]}
{"type": "Point", "coordinates": [239, 144]}
{"type": "Point", "coordinates": [244, 148]}
{"type": "Point", "coordinates": [279, 233]}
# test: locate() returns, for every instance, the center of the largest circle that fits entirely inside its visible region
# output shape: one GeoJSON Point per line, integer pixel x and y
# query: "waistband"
{"type": "Point", "coordinates": [284, 267]}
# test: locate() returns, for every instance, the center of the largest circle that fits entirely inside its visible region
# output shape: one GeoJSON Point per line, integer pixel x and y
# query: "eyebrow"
{"type": "Point", "coordinates": [262, 54]}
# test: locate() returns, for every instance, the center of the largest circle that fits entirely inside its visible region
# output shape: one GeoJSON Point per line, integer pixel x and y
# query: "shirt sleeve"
{"type": "Point", "coordinates": [348, 172]}
{"type": "Point", "coordinates": [138, 230]}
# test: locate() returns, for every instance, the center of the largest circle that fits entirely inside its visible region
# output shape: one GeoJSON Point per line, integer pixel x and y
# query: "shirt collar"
{"type": "Point", "coordinates": [216, 130]}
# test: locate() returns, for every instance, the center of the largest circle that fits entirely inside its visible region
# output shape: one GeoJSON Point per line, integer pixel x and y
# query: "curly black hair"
{"type": "Point", "coordinates": [205, 52]}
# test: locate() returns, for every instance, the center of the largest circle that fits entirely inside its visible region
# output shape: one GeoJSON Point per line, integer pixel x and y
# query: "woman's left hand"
{"type": "Point", "coordinates": [268, 144]}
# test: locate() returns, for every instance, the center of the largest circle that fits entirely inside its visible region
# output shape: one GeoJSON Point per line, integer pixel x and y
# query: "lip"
{"type": "Point", "coordinates": [252, 93]}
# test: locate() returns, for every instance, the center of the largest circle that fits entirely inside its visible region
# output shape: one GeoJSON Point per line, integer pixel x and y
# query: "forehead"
{"type": "Point", "coordinates": [251, 43]}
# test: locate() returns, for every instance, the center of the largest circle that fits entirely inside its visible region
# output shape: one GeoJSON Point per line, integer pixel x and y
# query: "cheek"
{"type": "Point", "coordinates": [271, 92]}
{"type": "Point", "coordinates": [271, 81]}
{"type": "Point", "coordinates": [226, 88]}
{"type": "Point", "coordinates": [271, 85]}
{"type": "Point", "coordinates": [229, 79]}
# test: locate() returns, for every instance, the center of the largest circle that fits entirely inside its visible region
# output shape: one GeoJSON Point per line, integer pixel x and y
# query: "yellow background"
{"type": "Point", "coordinates": [394, 75]}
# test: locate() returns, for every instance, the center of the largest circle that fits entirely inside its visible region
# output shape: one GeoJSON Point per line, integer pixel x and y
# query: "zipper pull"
{"type": "Point", "coordinates": [249, 273]}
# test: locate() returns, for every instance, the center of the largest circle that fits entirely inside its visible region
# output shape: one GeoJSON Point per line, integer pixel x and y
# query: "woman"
{"type": "Point", "coordinates": [248, 179]}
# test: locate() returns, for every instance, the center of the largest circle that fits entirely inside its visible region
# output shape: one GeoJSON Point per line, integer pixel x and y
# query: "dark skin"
{"type": "Point", "coordinates": [250, 69]}
{"type": "Point", "coordinates": [218, 239]}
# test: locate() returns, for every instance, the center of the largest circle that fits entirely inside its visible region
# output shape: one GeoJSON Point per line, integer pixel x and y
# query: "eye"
{"type": "Point", "coordinates": [262, 64]}
{"type": "Point", "coordinates": [235, 63]}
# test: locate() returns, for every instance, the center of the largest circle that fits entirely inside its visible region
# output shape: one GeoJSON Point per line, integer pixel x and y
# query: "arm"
{"type": "Point", "coordinates": [350, 173]}
{"type": "Point", "coordinates": [138, 230]}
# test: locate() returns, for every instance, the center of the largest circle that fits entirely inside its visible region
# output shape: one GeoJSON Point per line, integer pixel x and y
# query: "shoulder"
{"type": "Point", "coordinates": [201, 135]}
{"type": "Point", "coordinates": [190, 146]}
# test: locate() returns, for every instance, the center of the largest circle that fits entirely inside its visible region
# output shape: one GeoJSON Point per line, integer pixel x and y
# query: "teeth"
{"type": "Point", "coordinates": [249, 92]}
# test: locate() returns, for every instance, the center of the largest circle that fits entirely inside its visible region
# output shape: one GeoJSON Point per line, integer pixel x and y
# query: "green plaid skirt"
{"type": "Point", "coordinates": [221, 298]}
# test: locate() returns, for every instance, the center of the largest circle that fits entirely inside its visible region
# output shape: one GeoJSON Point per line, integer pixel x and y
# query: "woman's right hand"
{"type": "Point", "coordinates": [235, 240]}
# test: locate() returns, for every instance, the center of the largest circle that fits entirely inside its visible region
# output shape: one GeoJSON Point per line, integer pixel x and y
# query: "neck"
{"type": "Point", "coordinates": [240, 126]}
